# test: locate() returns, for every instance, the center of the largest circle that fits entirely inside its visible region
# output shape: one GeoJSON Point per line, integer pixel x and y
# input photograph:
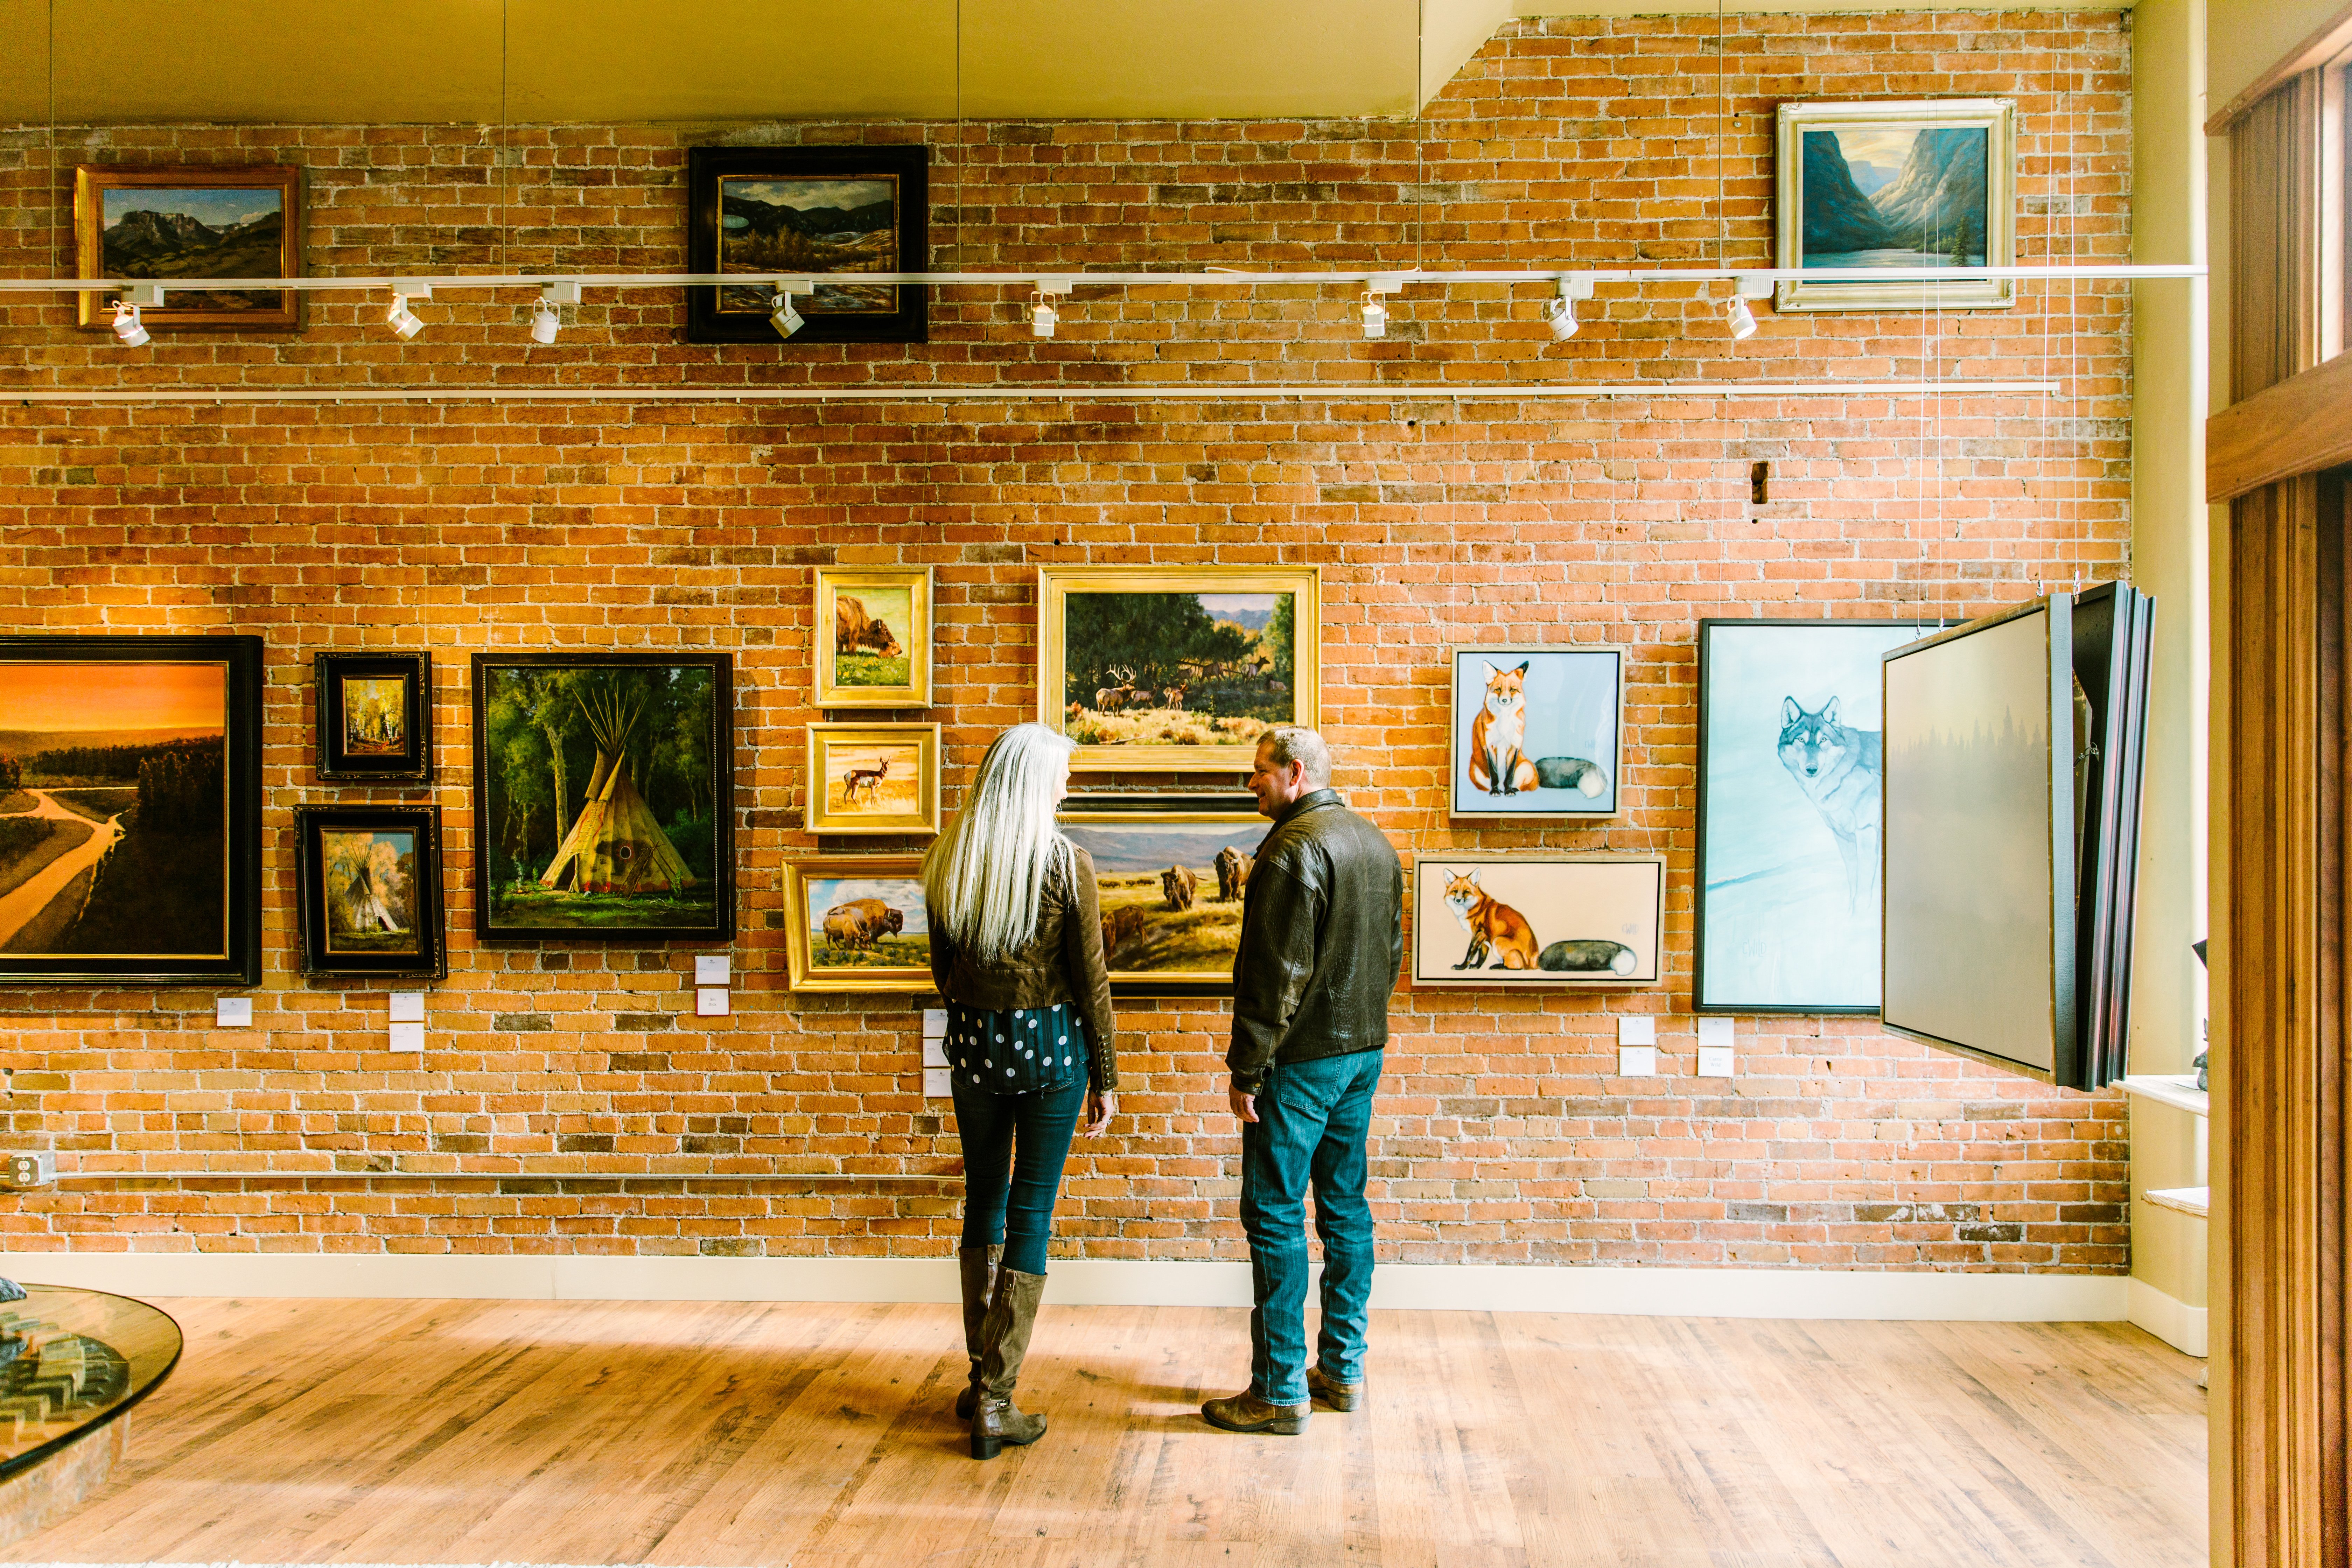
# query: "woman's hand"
{"type": "Point", "coordinates": [1102, 1104]}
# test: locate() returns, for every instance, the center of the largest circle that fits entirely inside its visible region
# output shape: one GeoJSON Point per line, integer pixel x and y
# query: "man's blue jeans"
{"type": "Point", "coordinates": [1312, 1121]}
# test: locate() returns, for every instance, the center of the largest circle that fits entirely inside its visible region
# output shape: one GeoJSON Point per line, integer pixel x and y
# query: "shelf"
{"type": "Point", "coordinates": [2187, 1200]}
{"type": "Point", "coordinates": [2177, 1089]}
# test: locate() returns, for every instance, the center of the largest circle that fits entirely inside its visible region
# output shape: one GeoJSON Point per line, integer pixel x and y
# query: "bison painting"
{"type": "Point", "coordinates": [1233, 873]}
{"type": "Point", "coordinates": [1179, 885]}
{"type": "Point", "coordinates": [1120, 927]}
{"type": "Point", "coordinates": [855, 631]}
{"type": "Point", "coordinates": [861, 922]}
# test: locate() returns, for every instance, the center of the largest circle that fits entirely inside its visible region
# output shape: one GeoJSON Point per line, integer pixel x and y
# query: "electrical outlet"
{"type": "Point", "coordinates": [35, 1168]}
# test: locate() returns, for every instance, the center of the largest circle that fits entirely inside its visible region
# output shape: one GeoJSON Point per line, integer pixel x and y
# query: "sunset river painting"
{"type": "Point", "coordinates": [116, 779]}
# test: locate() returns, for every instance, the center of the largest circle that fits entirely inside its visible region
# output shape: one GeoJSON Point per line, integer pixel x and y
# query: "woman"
{"type": "Point", "coordinates": [1017, 951]}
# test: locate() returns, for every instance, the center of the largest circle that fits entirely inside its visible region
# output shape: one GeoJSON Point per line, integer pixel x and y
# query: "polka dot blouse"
{"type": "Point", "coordinates": [1016, 1050]}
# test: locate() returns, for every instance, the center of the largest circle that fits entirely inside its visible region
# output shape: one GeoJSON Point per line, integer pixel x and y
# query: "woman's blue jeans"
{"type": "Point", "coordinates": [1014, 1148]}
{"type": "Point", "coordinates": [1312, 1121]}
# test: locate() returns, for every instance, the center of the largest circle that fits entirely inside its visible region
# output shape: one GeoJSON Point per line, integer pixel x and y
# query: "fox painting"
{"type": "Point", "coordinates": [1497, 930]}
{"type": "Point", "coordinates": [1498, 738]}
{"type": "Point", "coordinates": [1838, 771]}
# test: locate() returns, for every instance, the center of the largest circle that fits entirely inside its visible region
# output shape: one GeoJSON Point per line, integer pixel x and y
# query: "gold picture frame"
{"type": "Point", "coordinates": [873, 778]}
{"type": "Point", "coordinates": [1919, 210]}
{"type": "Point", "coordinates": [1250, 643]}
{"type": "Point", "coordinates": [861, 615]}
{"type": "Point", "coordinates": [205, 223]}
{"type": "Point", "coordinates": [846, 948]}
{"type": "Point", "coordinates": [1162, 937]}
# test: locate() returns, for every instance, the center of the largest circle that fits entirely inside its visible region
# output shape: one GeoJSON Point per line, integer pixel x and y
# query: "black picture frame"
{"type": "Point", "coordinates": [1710, 991]}
{"type": "Point", "coordinates": [904, 167]}
{"type": "Point", "coordinates": [503, 851]}
{"type": "Point", "coordinates": [316, 885]}
{"type": "Point", "coordinates": [335, 758]}
{"type": "Point", "coordinates": [150, 867]}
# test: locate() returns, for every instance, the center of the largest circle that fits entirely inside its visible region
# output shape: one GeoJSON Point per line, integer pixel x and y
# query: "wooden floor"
{"type": "Point", "coordinates": [626, 1432]}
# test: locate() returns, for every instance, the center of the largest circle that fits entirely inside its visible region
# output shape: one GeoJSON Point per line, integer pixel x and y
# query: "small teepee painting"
{"type": "Point", "coordinates": [370, 890]}
{"type": "Point", "coordinates": [606, 787]}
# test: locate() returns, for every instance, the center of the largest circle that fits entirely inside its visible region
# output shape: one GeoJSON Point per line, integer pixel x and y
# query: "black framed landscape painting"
{"type": "Point", "coordinates": [374, 717]}
{"type": "Point", "coordinates": [130, 810]}
{"type": "Point", "coordinates": [369, 889]}
{"type": "Point", "coordinates": [826, 214]}
{"type": "Point", "coordinates": [603, 787]}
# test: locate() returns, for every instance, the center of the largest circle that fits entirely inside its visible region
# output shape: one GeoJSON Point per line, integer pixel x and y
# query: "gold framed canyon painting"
{"type": "Point", "coordinates": [1176, 668]}
{"type": "Point", "coordinates": [177, 226]}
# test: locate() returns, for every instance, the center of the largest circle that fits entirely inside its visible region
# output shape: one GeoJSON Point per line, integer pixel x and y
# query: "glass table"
{"type": "Point", "coordinates": [72, 1360]}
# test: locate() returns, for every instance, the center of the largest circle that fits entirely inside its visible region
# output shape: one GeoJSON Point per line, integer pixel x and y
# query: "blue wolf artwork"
{"type": "Point", "coordinates": [1791, 766]}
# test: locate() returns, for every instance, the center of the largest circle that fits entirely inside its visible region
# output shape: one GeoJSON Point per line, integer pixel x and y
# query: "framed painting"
{"type": "Point", "coordinates": [1980, 949]}
{"type": "Point", "coordinates": [368, 890]}
{"type": "Point", "coordinates": [874, 778]}
{"type": "Point", "coordinates": [180, 226]}
{"type": "Point", "coordinates": [130, 810]}
{"type": "Point", "coordinates": [374, 718]}
{"type": "Point", "coordinates": [603, 792]}
{"type": "Point", "coordinates": [820, 213]}
{"type": "Point", "coordinates": [855, 923]}
{"type": "Point", "coordinates": [1176, 668]}
{"type": "Point", "coordinates": [1910, 183]}
{"type": "Point", "coordinates": [1538, 922]}
{"type": "Point", "coordinates": [1536, 731]}
{"type": "Point", "coordinates": [879, 652]}
{"type": "Point", "coordinates": [1788, 814]}
{"type": "Point", "coordinates": [1170, 873]}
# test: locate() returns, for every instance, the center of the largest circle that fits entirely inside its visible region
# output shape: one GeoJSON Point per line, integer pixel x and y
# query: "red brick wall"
{"type": "Point", "coordinates": [572, 1079]}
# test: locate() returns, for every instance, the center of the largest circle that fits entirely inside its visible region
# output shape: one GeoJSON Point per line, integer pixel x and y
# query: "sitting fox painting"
{"type": "Point", "coordinates": [1534, 731]}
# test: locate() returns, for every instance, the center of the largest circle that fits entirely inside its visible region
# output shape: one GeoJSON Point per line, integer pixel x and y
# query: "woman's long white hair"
{"type": "Point", "coordinates": [982, 878]}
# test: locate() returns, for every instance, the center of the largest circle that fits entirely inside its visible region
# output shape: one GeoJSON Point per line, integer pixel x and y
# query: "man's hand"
{"type": "Point", "coordinates": [1101, 1106]}
{"type": "Point", "coordinates": [1243, 1103]}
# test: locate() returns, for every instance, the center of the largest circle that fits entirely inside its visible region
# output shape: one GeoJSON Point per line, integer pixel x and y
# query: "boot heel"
{"type": "Point", "coordinates": [984, 1446]}
{"type": "Point", "coordinates": [1291, 1428]}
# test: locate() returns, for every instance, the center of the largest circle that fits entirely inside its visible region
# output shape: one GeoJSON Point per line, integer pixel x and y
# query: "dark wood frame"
{"type": "Point", "coordinates": [1204, 805]}
{"type": "Point", "coordinates": [2066, 1066]}
{"type": "Point", "coordinates": [328, 670]}
{"type": "Point", "coordinates": [1700, 1003]}
{"type": "Point", "coordinates": [240, 964]}
{"type": "Point", "coordinates": [96, 306]}
{"type": "Point", "coordinates": [910, 164]}
{"type": "Point", "coordinates": [722, 789]}
{"type": "Point", "coordinates": [431, 959]}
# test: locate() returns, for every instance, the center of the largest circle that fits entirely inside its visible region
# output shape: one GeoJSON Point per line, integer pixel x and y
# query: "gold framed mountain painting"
{"type": "Point", "coordinates": [180, 226]}
{"type": "Point", "coordinates": [130, 809]}
{"type": "Point", "coordinates": [1914, 184]}
{"type": "Point", "coordinates": [603, 789]}
{"type": "Point", "coordinates": [1176, 670]}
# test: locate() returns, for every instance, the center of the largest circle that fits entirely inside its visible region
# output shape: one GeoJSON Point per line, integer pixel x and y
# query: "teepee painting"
{"type": "Point", "coordinates": [370, 894]}
{"type": "Point", "coordinates": [606, 787]}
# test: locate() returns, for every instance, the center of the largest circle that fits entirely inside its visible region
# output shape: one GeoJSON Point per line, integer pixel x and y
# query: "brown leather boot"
{"type": "Point", "coordinates": [977, 1266]}
{"type": "Point", "coordinates": [1004, 1345]}
{"type": "Point", "coordinates": [1245, 1412]}
{"type": "Point", "coordinates": [1331, 1391]}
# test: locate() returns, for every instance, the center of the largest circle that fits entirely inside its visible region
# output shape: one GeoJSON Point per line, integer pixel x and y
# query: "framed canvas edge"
{"type": "Point", "coordinates": [1136, 982]}
{"type": "Point", "coordinates": [800, 972]}
{"type": "Point", "coordinates": [928, 744]}
{"type": "Point", "coordinates": [1791, 119]}
{"type": "Point", "coordinates": [1416, 980]}
{"type": "Point", "coordinates": [1453, 735]}
{"type": "Point", "coordinates": [721, 662]}
{"type": "Point", "coordinates": [825, 582]}
{"type": "Point", "coordinates": [704, 321]}
{"type": "Point", "coordinates": [1307, 662]}
{"type": "Point", "coordinates": [321, 663]}
{"type": "Point", "coordinates": [435, 961]}
{"type": "Point", "coordinates": [89, 304]}
{"type": "Point", "coordinates": [246, 655]}
{"type": "Point", "coordinates": [1700, 1003]}
{"type": "Point", "coordinates": [2058, 672]}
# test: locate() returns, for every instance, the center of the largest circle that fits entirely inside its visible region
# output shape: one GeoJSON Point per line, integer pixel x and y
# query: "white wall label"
{"type": "Point", "coordinates": [710, 969]}
{"type": "Point", "coordinates": [936, 1084]}
{"type": "Point", "coordinates": [935, 1051]}
{"type": "Point", "coordinates": [935, 1023]}
{"type": "Point", "coordinates": [1637, 1061]}
{"type": "Point", "coordinates": [1638, 1029]}
{"type": "Point", "coordinates": [233, 1013]}
{"type": "Point", "coordinates": [407, 1036]}
{"type": "Point", "coordinates": [408, 1006]}
{"type": "Point", "coordinates": [1714, 1061]}
{"type": "Point", "coordinates": [711, 1002]}
{"type": "Point", "coordinates": [1715, 1031]}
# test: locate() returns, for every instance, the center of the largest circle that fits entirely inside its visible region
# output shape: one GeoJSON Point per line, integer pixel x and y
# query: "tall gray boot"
{"type": "Point", "coordinates": [977, 1266]}
{"type": "Point", "coordinates": [1005, 1344]}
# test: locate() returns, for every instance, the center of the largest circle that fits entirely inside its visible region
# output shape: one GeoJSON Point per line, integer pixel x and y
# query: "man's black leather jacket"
{"type": "Point", "coordinates": [1322, 941]}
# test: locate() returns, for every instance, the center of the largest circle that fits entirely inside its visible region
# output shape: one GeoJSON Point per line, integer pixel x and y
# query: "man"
{"type": "Point", "coordinates": [1322, 939]}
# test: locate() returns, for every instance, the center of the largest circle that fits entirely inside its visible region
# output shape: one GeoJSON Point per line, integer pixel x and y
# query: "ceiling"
{"type": "Point", "coordinates": [432, 61]}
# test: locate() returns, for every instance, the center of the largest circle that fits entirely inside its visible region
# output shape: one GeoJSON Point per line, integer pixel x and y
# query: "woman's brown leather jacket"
{"type": "Point", "coordinates": [1063, 962]}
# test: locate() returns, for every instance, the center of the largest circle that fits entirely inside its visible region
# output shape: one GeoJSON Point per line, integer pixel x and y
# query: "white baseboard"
{"type": "Point", "coordinates": [2176, 1323]}
{"type": "Point", "coordinates": [1083, 1281]}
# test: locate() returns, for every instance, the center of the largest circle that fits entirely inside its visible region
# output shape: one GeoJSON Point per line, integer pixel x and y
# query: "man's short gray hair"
{"type": "Point", "coordinates": [1296, 743]}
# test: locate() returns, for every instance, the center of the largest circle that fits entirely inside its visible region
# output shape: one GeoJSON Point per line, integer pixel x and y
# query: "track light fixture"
{"type": "Point", "coordinates": [1560, 314]}
{"type": "Point", "coordinates": [1737, 316]}
{"type": "Point", "coordinates": [546, 320]}
{"type": "Point", "coordinates": [1376, 314]}
{"type": "Point", "coordinates": [127, 327]}
{"type": "Point", "coordinates": [1043, 317]}
{"type": "Point", "coordinates": [403, 322]}
{"type": "Point", "coordinates": [781, 313]}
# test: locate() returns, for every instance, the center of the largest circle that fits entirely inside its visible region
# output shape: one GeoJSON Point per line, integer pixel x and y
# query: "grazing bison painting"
{"type": "Point", "coordinates": [1119, 927]}
{"type": "Point", "coordinates": [861, 922]}
{"type": "Point", "coordinates": [1233, 873]}
{"type": "Point", "coordinates": [853, 631]}
{"type": "Point", "coordinates": [1178, 884]}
